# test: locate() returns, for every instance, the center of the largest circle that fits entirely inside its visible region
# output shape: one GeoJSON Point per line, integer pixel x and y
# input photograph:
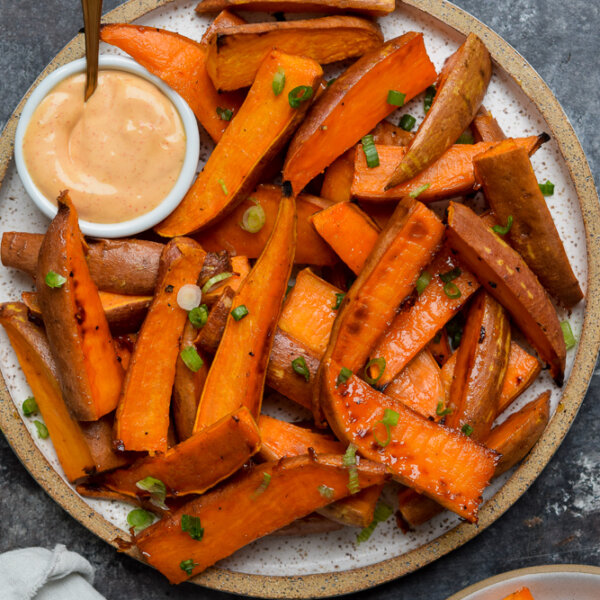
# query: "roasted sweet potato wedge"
{"type": "Point", "coordinates": [440, 348]}
{"type": "Point", "coordinates": [236, 52]}
{"type": "Point", "coordinates": [142, 419]}
{"type": "Point", "coordinates": [512, 191]}
{"type": "Point", "coordinates": [259, 131]}
{"type": "Point", "coordinates": [98, 437]}
{"type": "Point", "coordinates": [89, 373]}
{"type": "Point", "coordinates": [252, 505]}
{"type": "Point", "coordinates": [237, 374]}
{"type": "Point", "coordinates": [461, 87]}
{"type": "Point", "coordinates": [485, 128]}
{"type": "Point", "coordinates": [506, 276]}
{"type": "Point", "coordinates": [375, 8]}
{"type": "Point", "coordinates": [337, 180]}
{"type": "Point", "coordinates": [241, 269]}
{"type": "Point", "coordinates": [354, 103]}
{"type": "Point", "coordinates": [209, 337]}
{"type": "Point", "coordinates": [388, 134]}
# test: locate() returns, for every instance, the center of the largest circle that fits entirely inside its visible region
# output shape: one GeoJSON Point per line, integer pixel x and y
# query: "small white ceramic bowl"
{"type": "Point", "coordinates": [173, 198]}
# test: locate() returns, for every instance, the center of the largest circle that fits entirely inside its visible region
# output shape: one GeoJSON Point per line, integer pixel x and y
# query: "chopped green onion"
{"type": "Point", "coordinates": [380, 363]}
{"type": "Point", "coordinates": [225, 114]}
{"type": "Point", "coordinates": [192, 526]}
{"type": "Point", "coordinates": [254, 219]}
{"type": "Point", "coordinates": [30, 407]}
{"type": "Point", "coordinates": [239, 312]}
{"type": "Point", "coordinates": [454, 329]}
{"type": "Point", "coordinates": [214, 280]}
{"type": "Point", "coordinates": [42, 430]}
{"type": "Point", "coordinates": [466, 138]}
{"type": "Point", "coordinates": [344, 375]}
{"type": "Point", "coordinates": [223, 186]}
{"type": "Point", "coordinates": [382, 513]}
{"type": "Point", "coordinates": [278, 81]}
{"type": "Point", "coordinates": [368, 146]}
{"type": "Point", "coordinates": [570, 340]}
{"type": "Point", "coordinates": [325, 491]}
{"type": "Point", "coordinates": [407, 122]}
{"type": "Point", "coordinates": [396, 98]}
{"type": "Point", "coordinates": [156, 488]}
{"type": "Point", "coordinates": [139, 519]}
{"type": "Point", "coordinates": [429, 96]}
{"type": "Point", "coordinates": [451, 275]}
{"type": "Point", "coordinates": [169, 289]}
{"type": "Point", "coordinates": [416, 193]}
{"type": "Point", "coordinates": [299, 366]}
{"type": "Point", "coordinates": [423, 282]}
{"type": "Point", "coordinates": [467, 429]}
{"type": "Point", "coordinates": [198, 316]}
{"type": "Point", "coordinates": [339, 298]}
{"type": "Point", "coordinates": [263, 485]}
{"type": "Point", "coordinates": [54, 280]}
{"type": "Point", "coordinates": [353, 483]}
{"type": "Point", "coordinates": [500, 230]}
{"type": "Point", "coordinates": [191, 358]}
{"type": "Point", "coordinates": [300, 94]}
{"type": "Point", "coordinates": [451, 290]}
{"type": "Point", "coordinates": [547, 188]}
{"type": "Point", "coordinates": [390, 419]}
{"type": "Point", "coordinates": [349, 459]}
{"type": "Point", "coordinates": [188, 565]}
{"type": "Point", "coordinates": [440, 411]}
{"type": "Point", "coordinates": [331, 81]}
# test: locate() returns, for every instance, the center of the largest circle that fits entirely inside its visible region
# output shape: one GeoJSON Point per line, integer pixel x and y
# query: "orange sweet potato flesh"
{"type": "Point", "coordinates": [337, 181]}
{"type": "Point", "coordinates": [417, 324]}
{"type": "Point", "coordinates": [450, 175]}
{"type": "Point", "coordinates": [368, 7]}
{"type": "Point", "coordinates": [236, 52]}
{"type": "Point", "coordinates": [256, 135]}
{"type": "Point", "coordinates": [485, 128]}
{"type": "Point", "coordinates": [439, 347]}
{"type": "Point", "coordinates": [461, 87]}
{"type": "Point", "coordinates": [191, 467]}
{"type": "Point", "coordinates": [89, 373]}
{"type": "Point", "coordinates": [237, 374]}
{"type": "Point", "coordinates": [227, 233]}
{"type": "Point", "coordinates": [444, 464]}
{"type": "Point", "coordinates": [142, 419]}
{"type": "Point", "coordinates": [388, 134]}
{"type": "Point", "coordinates": [181, 63]}
{"type": "Point", "coordinates": [354, 103]}
{"type": "Point", "coordinates": [281, 439]}
{"type": "Point", "coordinates": [349, 231]}
{"type": "Point", "coordinates": [506, 276]}
{"type": "Point", "coordinates": [522, 594]}
{"type": "Point", "coordinates": [35, 358]}
{"type": "Point", "coordinates": [481, 363]}
{"type": "Point", "coordinates": [511, 189]}
{"type": "Point", "coordinates": [242, 510]}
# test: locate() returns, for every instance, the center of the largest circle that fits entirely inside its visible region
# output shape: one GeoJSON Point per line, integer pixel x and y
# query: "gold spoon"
{"type": "Point", "coordinates": [92, 11]}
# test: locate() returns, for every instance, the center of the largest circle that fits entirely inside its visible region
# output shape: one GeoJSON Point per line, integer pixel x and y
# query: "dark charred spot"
{"type": "Point", "coordinates": [169, 289]}
{"type": "Point", "coordinates": [279, 16]}
{"type": "Point", "coordinates": [71, 274]}
{"type": "Point", "coordinates": [235, 418]}
{"type": "Point", "coordinates": [288, 191]}
{"type": "Point", "coordinates": [250, 353]}
{"type": "Point", "coordinates": [481, 334]}
{"type": "Point", "coordinates": [492, 285]}
{"type": "Point", "coordinates": [312, 454]}
{"type": "Point", "coordinates": [519, 380]}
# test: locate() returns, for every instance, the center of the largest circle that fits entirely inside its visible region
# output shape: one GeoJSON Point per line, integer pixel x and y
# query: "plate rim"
{"type": "Point", "coordinates": [360, 578]}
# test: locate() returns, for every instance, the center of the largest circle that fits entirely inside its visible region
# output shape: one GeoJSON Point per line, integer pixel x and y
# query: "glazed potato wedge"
{"type": "Point", "coordinates": [257, 134]}
{"type": "Point", "coordinates": [354, 103]}
{"type": "Point", "coordinates": [374, 8]}
{"type": "Point", "coordinates": [88, 370]}
{"type": "Point", "coordinates": [235, 53]}
{"type": "Point", "coordinates": [461, 87]}
{"type": "Point", "coordinates": [506, 276]}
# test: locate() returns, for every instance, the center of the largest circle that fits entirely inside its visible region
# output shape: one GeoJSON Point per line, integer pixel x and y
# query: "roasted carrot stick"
{"type": "Point", "coordinates": [254, 504]}
{"type": "Point", "coordinates": [142, 419]}
{"type": "Point", "coordinates": [338, 177]}
{"type": "Point", "coordinates": [237, 374]}
{"type": "Point", "coordinates": [349, 231]}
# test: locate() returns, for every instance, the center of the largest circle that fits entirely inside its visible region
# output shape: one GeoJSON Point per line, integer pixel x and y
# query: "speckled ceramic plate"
{"type": "Point", "coordinates": [547, 582]}
{"type": "Point", "coordinates": [329, 564]}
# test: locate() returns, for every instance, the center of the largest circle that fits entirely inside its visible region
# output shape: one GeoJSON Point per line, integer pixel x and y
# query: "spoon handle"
{"type": "Point", "coordinates": [92, 11]}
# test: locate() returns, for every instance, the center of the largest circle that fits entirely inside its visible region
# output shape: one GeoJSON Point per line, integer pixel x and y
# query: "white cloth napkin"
{"type": "Point", "coordinates": [40, 574]}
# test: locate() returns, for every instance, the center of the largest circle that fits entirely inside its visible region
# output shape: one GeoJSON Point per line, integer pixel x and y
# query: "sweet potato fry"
{"type": "Point", "coordinates": [181, 63]}
{"type": "Point", "coordinates": [228, 233]}
{"type": "Point", "coordinates": [375, 8]}
{"type": "Point", "coordinates": [506, 276]}
{"type": "Point", "coordinates": [237, 374]}
{"type": "Point", "coordinates": [89, 373]}
{"type": "Point", "coordinates": [254, 504]}
{"type": "Point", "coordinates": [236, 52]}
{"type": "Point", "coordinates": [349, 231]}
{"type": "Point", "coordinates": [450, 175]}
{"type": "Point", "coordinates": [485, 128]}
{"type": "Point", "coordinates": [259, 131]}
{"type": "Point", "coordinates": [354, 103]}
{"type": "Point", "coordinates": [142, 419]}
{"type": "Point", "coordinates": [191, 467]}
{"type": "Point", "coordinates": [337, 181]}
{"type": "Point", "coordinates": [461, 87]}
{"type": "Point", "coordinates": [511, 188]}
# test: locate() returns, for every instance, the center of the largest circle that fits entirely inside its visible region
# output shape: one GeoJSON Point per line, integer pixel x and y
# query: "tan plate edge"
{"type": "Point", "coordinates": [328, 584]}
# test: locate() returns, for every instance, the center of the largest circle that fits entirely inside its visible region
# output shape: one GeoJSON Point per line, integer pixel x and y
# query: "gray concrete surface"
{"type": "Point", "coordinates": [556, 521]}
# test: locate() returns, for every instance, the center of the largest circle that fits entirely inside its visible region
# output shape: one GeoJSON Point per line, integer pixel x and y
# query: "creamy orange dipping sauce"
{"type": "Point", "coordinates": [119, 154]}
